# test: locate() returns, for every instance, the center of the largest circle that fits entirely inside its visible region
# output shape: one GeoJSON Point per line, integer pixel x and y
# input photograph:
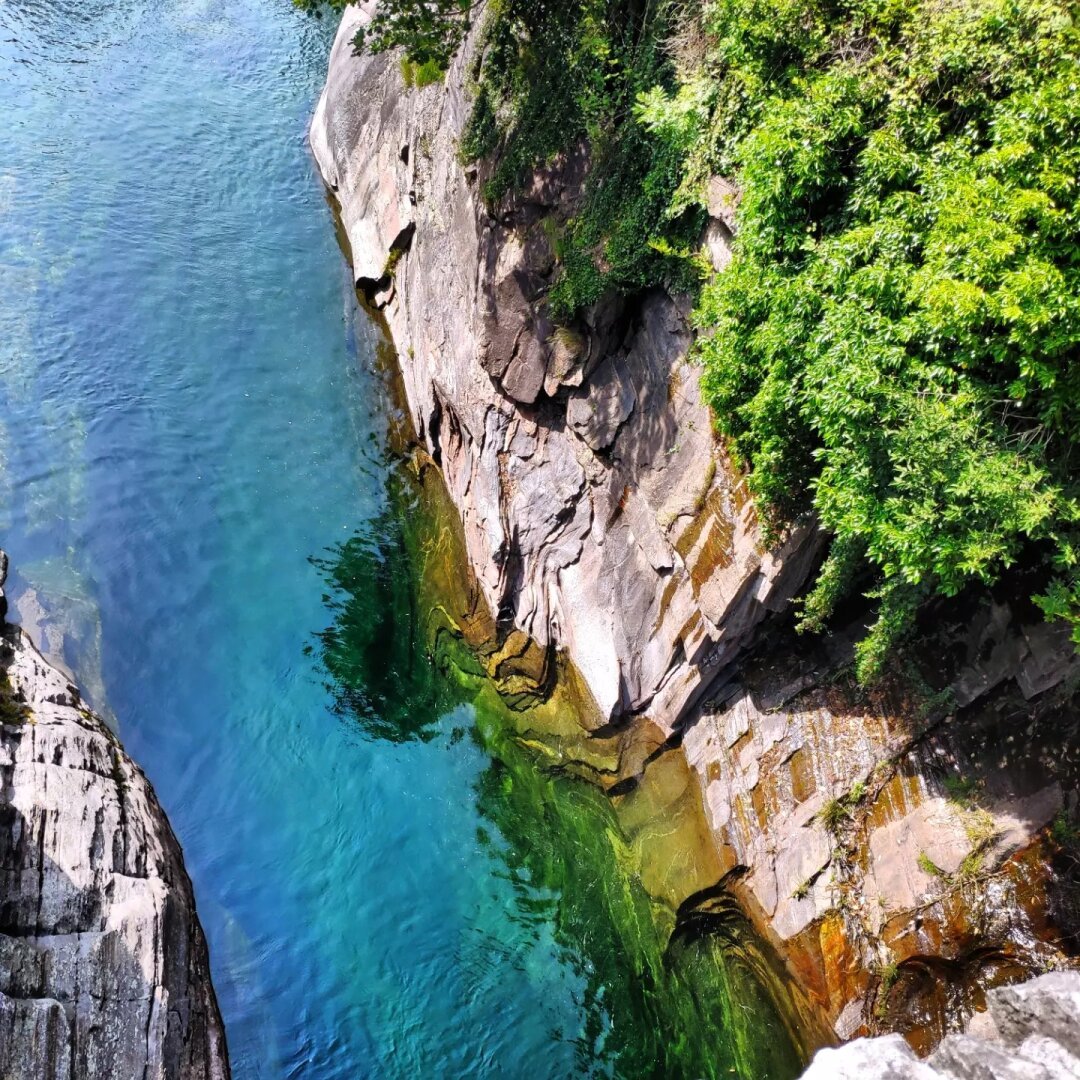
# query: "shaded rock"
{"type": "Point", "coordinates": [1048, 1007]}
{"type": "Point", "coordinates": [597, 413]}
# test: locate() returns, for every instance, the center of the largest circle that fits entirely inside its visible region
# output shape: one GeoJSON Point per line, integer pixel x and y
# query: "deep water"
{"type": "Point", "coordinates": [207, 520]}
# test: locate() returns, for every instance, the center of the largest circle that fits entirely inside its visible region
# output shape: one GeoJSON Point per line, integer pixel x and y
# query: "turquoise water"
{"type": "Point", "coordinates": [196, 489]}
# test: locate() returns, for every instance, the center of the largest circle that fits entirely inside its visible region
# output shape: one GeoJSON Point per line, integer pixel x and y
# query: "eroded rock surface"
{"type": "Point", "coordinates": [862, 833]}
{"type": "Point", "coordinates": [104, 972]}
{"type": "Point", "coordinates": [582, 458]}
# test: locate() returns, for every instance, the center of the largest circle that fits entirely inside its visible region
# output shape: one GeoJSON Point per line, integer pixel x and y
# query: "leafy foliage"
{"type": "Point", "coordinates": [429, 31]}
{"type": "Point", "coordinates": [894, 345]}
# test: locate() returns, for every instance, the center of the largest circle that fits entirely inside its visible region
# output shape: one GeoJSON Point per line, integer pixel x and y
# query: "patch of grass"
{"type": "Point", "coordinates": [13, 710]}
{"type": "Point", "coordinates": [428, 73]}
{"type": "Point", "coordinates": [837, 811]}
{"type": "Point", "coordinates": [962, 790]}
{"type": "Point", "coordinates": [979, 826]}
{"type": "Point", "coordinates": [392, 261]}
{"type": "Point", "coordinates": [928, 866]}
{"type": "Point", "coordinates": [570, 340]}
{"type": "Point", "coordinates": [420, 75]}
{"type": "Point", "coordinates": [972, 866]}
{"type": "Point", "coordinates": [888, 974]}
{"type": "Point", "coordinates": [1064, 831]}
{"type": "Point", "coordinates": [833, 814]}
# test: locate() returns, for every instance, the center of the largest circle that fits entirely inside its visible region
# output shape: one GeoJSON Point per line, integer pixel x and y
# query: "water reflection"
{"type": "Point", "coordinates": [380, 669]}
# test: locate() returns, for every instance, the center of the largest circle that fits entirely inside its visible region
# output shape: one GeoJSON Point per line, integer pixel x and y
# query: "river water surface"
{"type": "Point", "coordinates": [196, 495]}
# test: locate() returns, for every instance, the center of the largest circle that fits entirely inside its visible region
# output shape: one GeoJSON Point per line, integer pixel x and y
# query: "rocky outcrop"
{"type": "Point", "coordinates": [892, 845]}
{"type": "Point", "coordinates": [581, 457]}
{"type": "Point", "coordinates": [1030, 1032]}
{"type": "Point", "coordinates": [103, 966]}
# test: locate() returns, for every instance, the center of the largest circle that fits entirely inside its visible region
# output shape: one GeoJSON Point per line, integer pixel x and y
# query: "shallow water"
{"type": "Point", "coordinates": [205, 518]}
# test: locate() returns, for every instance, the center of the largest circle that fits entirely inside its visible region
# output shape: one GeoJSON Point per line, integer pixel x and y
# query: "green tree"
{"type": "Point", "coordinates": [429, 31]}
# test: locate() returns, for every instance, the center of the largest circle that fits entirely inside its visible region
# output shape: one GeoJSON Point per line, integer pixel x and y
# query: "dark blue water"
{"type": "Point", "coordinates": [192, 417]}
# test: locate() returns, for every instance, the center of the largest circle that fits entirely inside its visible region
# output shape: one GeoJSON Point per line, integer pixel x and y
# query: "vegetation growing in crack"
{"type": "Point", "coordinates": [13, 709]}
{"type": "Point", "coordinates": [840, 811]}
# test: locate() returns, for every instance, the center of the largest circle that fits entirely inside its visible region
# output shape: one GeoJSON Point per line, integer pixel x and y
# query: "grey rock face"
{"type": "Point", "coordinates": [103, 965]}
{"type": "Point", "coordinates": [596, 511]}
{"type": "Point", "coordinates": [1046, 1008]}
{"type": "Point", "coordinates": [1038, 1029]}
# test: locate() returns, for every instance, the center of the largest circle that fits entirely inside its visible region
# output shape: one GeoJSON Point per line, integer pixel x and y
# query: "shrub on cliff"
{"type": "Point", "coordinates": [894, 346]}
{"type": "Point", "coordinates": [429, 31]}
{"type": "Point", "coordinates": [895, 343]}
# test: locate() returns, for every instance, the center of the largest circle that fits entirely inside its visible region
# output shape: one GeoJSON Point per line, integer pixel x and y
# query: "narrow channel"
{"type": "Point", "coordinates": [210, 524]}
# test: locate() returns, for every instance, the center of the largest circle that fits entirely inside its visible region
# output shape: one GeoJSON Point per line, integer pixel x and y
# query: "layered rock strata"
{"type": "Point", "coordinates": [892, 845]}
{"type": "Point", "coordinates": [104, 973]}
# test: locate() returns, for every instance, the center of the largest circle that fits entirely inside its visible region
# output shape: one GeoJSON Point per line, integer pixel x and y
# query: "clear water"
{"type": "Point", "coordinates": [193, 424]}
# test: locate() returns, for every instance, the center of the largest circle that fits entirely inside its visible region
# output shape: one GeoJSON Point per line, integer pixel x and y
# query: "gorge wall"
{"type": "Point", "coordinates": [103, 965]}
{"type": "Point", "coordinates": [892, 845]}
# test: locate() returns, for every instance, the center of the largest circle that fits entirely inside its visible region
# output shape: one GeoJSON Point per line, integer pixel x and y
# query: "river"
{"type": "Point", "coordinates": [197, 492]}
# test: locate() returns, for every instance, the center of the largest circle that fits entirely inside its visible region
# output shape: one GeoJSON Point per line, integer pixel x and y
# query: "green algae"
{"type": "Point", "coordinates": [610, 875]}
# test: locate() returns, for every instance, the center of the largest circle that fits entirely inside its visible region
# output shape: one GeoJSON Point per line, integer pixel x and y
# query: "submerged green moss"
{"type": "Point", "coordinates": [411, 639]}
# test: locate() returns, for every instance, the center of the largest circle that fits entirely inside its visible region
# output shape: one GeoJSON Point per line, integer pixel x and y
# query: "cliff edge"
{"type": "Point", "coordinates": [895, 845]}
{"type": "Point", "coordinates": [104, 970]}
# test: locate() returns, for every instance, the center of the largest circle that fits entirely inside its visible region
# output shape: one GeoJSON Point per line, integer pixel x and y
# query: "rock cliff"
{"type": "Point", "coordinates": [892, 845]}
{"type": "Point", "coordinates": [103, 965]}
